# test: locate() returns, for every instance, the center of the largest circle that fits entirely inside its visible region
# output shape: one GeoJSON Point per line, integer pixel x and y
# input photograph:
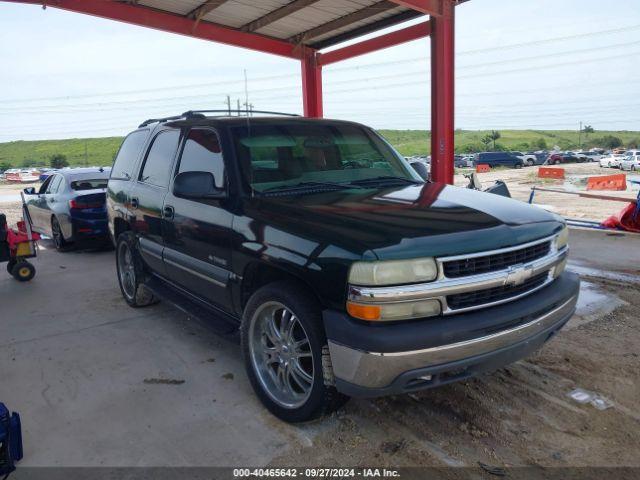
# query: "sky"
{"type": "Point", "coordinates": [520, 64]}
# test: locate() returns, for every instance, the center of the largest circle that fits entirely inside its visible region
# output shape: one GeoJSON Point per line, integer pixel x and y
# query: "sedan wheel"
{"type": "Point", "coordinates": [58, 236]}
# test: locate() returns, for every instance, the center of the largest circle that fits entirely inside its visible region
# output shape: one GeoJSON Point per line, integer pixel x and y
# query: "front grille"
{"type": "Point", "coordinates": [495, 262]}
{"type": "Point", "coordinates": [490, 295]}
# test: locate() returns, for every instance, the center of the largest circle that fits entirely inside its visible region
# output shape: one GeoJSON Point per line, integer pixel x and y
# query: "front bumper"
{"type": "Point", "coordinates": [372, 360]}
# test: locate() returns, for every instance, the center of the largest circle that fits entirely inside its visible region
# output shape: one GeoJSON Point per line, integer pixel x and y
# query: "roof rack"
{"type": "Point", "coordinates": [200, 114]}
{"type": "Point", "coordinates": [193, 113]}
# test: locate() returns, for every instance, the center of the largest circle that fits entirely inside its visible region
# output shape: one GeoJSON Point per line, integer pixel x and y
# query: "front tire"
{"type": "Point", "coordinates": [131, 273]}
{"type": "Point", "coordinates": [282, 343]}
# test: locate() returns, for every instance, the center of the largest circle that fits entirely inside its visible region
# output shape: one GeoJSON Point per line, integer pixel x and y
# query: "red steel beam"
{"type": "Point", "coordinates": [169, 22]}
{"type": "Point", "coordinates": [398, 37]}
{"type": "Point", "coordinates": [311, 85]}
{"type": "Point", "coordinates": [442, 96]}
{"type": "Point", "coordinates": [435, 8]}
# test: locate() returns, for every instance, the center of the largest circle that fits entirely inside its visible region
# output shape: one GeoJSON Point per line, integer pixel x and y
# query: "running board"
{"type": "Point", "coordinates": [220, 322]}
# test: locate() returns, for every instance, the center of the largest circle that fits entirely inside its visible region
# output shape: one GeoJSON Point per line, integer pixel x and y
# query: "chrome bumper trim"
{"type": "Point", "coordinates": [444, 286]}
{"type": "Point", "coordinates": [379, 370]}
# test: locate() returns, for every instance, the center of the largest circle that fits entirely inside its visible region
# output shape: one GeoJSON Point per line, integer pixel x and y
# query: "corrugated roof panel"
{"type": "Point", "coordinates": [181, 7]}
{"type": "Point", "coordinates": [314, 15]}
{"type": "Point", "coordinates": [236, 13]}
{"type": "Point", "coordinates": [353, 26]}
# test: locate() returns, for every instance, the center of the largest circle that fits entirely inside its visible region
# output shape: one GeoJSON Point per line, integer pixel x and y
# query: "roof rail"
{"type": "Point", "coordinates": [193, 113]}
{"type": "Point", "coordinates": [157, 120]}
{"type": "Point", "coordinates": [200, 114]}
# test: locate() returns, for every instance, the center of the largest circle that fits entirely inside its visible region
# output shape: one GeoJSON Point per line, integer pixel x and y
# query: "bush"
{"type": "Point", "coordinates": [58, 161]}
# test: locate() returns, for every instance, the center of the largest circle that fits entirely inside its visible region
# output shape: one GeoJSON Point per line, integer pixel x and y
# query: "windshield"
{"type": "Point", "coordinates": [279, 156]}
{"type": "Point", "coordinates": [89, 184]}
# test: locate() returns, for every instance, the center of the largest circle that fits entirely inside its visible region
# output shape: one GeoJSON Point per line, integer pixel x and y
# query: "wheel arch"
{"type": "Point", "coordinates": [258, 274]}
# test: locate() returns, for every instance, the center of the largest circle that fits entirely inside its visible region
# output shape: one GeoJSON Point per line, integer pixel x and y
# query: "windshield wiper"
{"type": "Point", "coordinates": [385, 179]}
{"type": "Point", "coordinates": [304, 186]}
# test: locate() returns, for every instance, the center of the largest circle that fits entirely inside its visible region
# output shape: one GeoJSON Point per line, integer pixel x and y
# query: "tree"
{"type": "Point", "coordinates": [58, 161]}
{"type": "Point", "coordinates": [609, 141]}
{"type": "Point", "coordinates": [540, 144]}
{"type": "Point", "coordinates": [633, 143]}
{"type": "Point", "coordinates": [5, 166]}
{"type": "Point", "coordinates": [588, 129]}
{"type": "Point", "coordinates": [495, 135]}
{"type": "Point", "coordinates": [486, 141]}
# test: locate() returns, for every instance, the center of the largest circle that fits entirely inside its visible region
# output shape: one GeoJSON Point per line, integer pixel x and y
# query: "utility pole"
{"type": "Point", "coordinates": [246, 92]}
{"type": "Point", "coordinates": [580, 136]}
{"type": "Point", "coordinates": [229, 105]}
{"type": "Point", "coordinates": [238, 106]}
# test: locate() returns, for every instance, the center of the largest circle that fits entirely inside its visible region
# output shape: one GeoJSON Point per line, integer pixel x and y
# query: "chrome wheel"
{"type": "Point", "coordinates": [126, 270]}
{"type": "Point", "coordinates": [281, 355]}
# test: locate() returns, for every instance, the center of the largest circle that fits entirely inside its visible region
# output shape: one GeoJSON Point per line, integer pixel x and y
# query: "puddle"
{"type": "Point", "coordinates": [593, 303]}
{"type": "Point", "coordinates": [580, 269]}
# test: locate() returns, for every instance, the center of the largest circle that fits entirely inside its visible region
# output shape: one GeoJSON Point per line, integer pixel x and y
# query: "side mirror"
{"type": "Point", "coordinates": [421, 169]}
{"type": "Point", "coordinates": [30, 191]}
{"type": "Point", "coordinates": [196, 185]}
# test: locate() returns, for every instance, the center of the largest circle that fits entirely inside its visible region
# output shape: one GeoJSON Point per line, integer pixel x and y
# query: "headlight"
{"type": "Point", "coordinates": [563, 238]}
{"type": "Point", "coordinates": [390, 312]}
{"type": "Point", "coordinates": [393, 272]}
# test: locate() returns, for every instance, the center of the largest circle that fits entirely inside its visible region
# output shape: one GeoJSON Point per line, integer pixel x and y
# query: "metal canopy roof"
{"type": "Point", "coordinates": [314, 23]}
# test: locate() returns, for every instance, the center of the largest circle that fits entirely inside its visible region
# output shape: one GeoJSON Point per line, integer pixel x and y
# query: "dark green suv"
{"type": "Point", "coordinates": [343, 271]}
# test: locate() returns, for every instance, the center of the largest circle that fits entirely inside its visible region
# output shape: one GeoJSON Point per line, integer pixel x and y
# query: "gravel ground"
{"type": "Point", "coordinates": [521, 181]}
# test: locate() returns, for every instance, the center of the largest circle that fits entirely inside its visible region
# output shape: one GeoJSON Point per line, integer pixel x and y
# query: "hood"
{"type": "Point", "coordinates": [433, 219]}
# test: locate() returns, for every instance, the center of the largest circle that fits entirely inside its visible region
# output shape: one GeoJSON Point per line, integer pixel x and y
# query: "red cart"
{"type": "Point", "coordinates": [16, 246]}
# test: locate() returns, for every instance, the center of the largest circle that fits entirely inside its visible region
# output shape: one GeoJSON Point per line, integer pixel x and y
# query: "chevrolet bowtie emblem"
{"type": "Point", "coordinates": [518, 274]}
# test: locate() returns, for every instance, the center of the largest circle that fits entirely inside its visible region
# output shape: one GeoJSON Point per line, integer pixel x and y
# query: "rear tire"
{"type": "Point", "coordinates": [282, 343]}
{"type": "Point", "coordinates": [10, 265]}
{"type": "Point", "coordinates": [131, 273]}
{"type": "Point", "coordinates": [62, 245]}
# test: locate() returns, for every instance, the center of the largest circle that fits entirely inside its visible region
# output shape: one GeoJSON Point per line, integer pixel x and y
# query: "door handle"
{"type": "Point", "coordinates": [134, 202]}
{"type": "Point", "coordinates": [168, 212]}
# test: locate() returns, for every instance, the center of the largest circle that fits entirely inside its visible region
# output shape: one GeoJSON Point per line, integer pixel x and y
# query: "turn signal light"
{"type": "Point", "coordinates": [363, 312]}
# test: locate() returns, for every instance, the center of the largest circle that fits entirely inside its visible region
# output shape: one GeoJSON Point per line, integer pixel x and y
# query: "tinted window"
{"type": "Point", "coordinates": [128, 155]}
{"type": "Point", "coordinates": [157, 166]}
{"type": "Point", "coordinates": [202, 154]}
{"type": "Point", "coordinates": [89, 184]}
{"type": "Point", "coordinates": [283, 155]}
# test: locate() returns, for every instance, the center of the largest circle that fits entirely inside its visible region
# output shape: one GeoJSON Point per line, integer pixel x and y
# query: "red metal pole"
{"type": "Point", "coordinates": [442, 94]}
{"type": "Point", "coordinates": [311, 85]}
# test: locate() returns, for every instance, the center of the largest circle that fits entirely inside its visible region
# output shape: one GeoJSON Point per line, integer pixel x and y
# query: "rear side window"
{"type": "Point", "coordinates": [128, 155]}
{"type": "Point", "coordinates": [55, 184]}
{"type": "Point", "coordinates": [89, 184]}
{"type": "Point", "coordinates": [202, 153]}
{"type": "Point", "coordinates": [157, 166]}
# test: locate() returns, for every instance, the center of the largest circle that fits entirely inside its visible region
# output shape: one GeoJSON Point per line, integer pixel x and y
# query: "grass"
{"type": "Point", "coordinates": [100, 151]}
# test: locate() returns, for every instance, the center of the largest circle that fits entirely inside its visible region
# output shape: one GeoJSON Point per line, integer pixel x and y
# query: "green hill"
{"type": "Point", "coordinates": [100, 151]}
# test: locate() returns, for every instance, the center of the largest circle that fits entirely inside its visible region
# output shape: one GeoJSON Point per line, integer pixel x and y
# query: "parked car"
{"type": "Point", "coordinates": [612, 161]}
{"type": "Point", "coordinates": [344, 273]}
{"type": "Point", "coordinates": [498, 159]}
{"type": "Point", "coordinates": [592, 156]}
{"type": "Point", "coordinates": [45, 173]}
{"type": "Point", "coordinates": [631, 161]}
{"type": "Point", "coordinates": [70, 207]}
{"type": "Point", "coordinates": [528, 158]}
{"type": "Point", "coordinates": [463, 162]}
{"type": "Point", "coordinates": [578, 157]}
{"type": "Point", "coordinates": [558, 158]}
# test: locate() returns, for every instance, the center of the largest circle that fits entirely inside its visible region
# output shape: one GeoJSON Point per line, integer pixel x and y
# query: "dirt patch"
{"type": "Point", "coordinates": [521, 180]}
{"type": "Point", "coordinates": [518, 416]}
